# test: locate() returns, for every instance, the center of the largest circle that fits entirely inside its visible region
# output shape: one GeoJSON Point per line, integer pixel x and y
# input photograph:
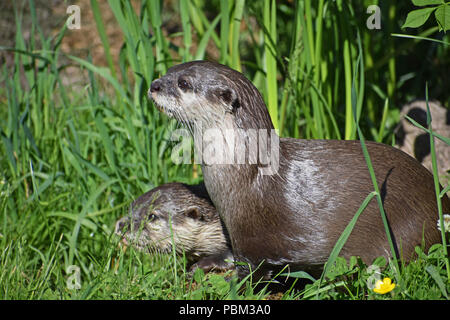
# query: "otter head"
{"type": "Point", "coordinates": [170, 216]}
{"type": "Point", "coordinates": [210, 95]}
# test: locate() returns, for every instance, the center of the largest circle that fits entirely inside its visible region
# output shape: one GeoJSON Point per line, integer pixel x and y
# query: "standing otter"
{"type": "Point", "coordinates": [295, 215]}
{"type": "Point", "coordinates": [185, 212]}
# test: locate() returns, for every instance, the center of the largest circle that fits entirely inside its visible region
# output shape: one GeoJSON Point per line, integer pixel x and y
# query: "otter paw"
{"type": "Point", "coordinates": [212, 263]}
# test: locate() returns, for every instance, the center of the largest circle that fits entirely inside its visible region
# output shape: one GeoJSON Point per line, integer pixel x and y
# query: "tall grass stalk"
{"type": "Point", "coordinates": [422, 37]}
{"type": "Point", "coordinates": [437, 188]}
{"type": "Point", "coordinates": [186, 25]}
{"type": "Point", "coordinates": [235, 34]}
{"type": "Point", "coordinates": [392, 82]}
{"type": "Point", "coordinates": [376, 193]}
{"type": "Point", "coordinates": [224, 29]}
{"type": "Point", "coordinates": [383, 121]}
{"type": "Point", "coordinates": [372, 172]}
{"type": "Point", "coordinates": [314, 65]}
{"type": "Point", "coordinates": [162, 57]}
{"type": "Point", "coordinates": [349, 122]}
{"type": "Point", "coordinates": [102, 33]}
{"type": "Point", "coordinates": [270, 62]}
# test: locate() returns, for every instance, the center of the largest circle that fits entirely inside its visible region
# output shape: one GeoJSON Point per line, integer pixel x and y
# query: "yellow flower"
{"type": "Point", "coordinates": [384, 286]}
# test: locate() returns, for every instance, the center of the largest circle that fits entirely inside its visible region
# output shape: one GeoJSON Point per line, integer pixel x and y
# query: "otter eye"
{"type": "Point", "coordinates": [152, 217]}
{"type": "Point", "coordinates": [183, 84]}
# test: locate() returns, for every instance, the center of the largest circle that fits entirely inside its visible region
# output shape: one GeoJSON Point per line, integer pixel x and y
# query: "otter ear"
{"type": "Point", "coordinates": [194, 213]}
{"type": "Point", "coordinates": [229, 97]}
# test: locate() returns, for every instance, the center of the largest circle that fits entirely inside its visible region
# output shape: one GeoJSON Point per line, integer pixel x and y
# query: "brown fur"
{"type": "Point", "coordinates": [295, 216]}
{"type": "Point", "coordinates": [183, 213]}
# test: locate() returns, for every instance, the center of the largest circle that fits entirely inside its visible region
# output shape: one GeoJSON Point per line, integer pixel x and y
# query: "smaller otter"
{"type": "Point", "coordinates": [183, 213]}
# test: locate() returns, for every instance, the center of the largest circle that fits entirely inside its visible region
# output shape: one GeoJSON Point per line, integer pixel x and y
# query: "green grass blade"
{"type": "Point", "coordinates": [82, 216]}
{"type": "Point", "coordinates": [431, 269]}
{"type": "Point", "coordinates": [186, 25]}
{"type": "Point", "coordinates": [435, 134]}
{"type": "Point", "coordinates": [420, 38]}
{"type": "Point", "coordinates": [235, 35]}
{"type": "Point", "coordinates": [103, 37]}
{"type": "Point", "coordinates": [270, 59]}
{"type": "Point", "coordinates": [344, 236]}
{"type": "Point", "coordinates": [383, 120]}
{"type": "Point", "coordinates": [72, 216]}
{"type": "Point", "coordinates": [224, 30]}
{"type": "Point", "coordinates": [437, 186]}
{"type": "Point", "coordinates": [444, 191]}
{"type": "Point", "coordinates": [161, 47]}
{"type": "Point", "coordinates": [106, 140]}
{"type": "Point", "coordinates": [201, 49]}
{"type": "Point", "coordinates": [372, 174]}
{"type": "Point", "coordinates": [106, 74]}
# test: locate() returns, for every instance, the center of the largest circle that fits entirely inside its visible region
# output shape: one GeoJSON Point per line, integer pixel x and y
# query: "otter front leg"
{"type": "Point", "coordinates": [217, 262]}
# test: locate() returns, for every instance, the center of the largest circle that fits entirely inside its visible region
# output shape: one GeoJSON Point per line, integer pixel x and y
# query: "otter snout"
{"type": "Point", "coordinates": [127, 224]}
{"type": "Point", "coordinates": [154, 87]}
{"type": "Point", "coordinates": [121, 225]}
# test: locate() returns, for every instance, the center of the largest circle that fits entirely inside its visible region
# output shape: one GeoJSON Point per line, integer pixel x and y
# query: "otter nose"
{"type": "Point", "coordinates": [156, 86]}
{"type": "Point", "coordinates": [122, 224]}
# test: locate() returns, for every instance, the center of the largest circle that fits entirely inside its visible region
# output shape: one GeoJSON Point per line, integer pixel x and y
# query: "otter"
{"type": "Point", "coordinates": [186, 212]}
{"type": "Point", "coordinates": [294, 216]}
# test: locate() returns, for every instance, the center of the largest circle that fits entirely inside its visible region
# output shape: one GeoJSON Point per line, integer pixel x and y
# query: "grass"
{"type": "Point", "coordinates": [74, 158]}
